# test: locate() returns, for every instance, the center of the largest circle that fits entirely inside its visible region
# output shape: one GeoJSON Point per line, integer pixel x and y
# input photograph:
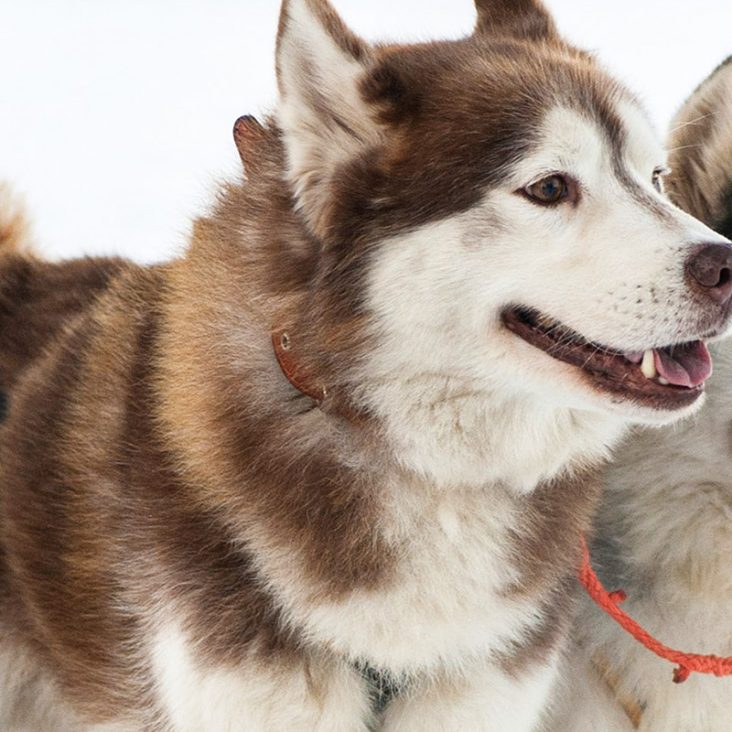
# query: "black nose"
{"type": "Point", "coordinates": [710, 270]}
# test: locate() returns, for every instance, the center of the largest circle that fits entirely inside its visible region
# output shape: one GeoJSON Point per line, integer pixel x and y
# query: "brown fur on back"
{"type": "Point", "coordinates": [38, 300]}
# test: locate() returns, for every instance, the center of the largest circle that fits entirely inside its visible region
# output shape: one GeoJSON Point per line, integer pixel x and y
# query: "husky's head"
{"type": "Point", "coordinates": [495, 207]}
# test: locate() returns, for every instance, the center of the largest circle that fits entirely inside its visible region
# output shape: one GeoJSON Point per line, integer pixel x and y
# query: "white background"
{"type": "Point", "coordinates": [115, 117]}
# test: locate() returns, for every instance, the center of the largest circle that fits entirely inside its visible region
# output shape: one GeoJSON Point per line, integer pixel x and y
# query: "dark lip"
{"type": "Point", "coordinates": [714, 335]}
{"type": "Point", "coordinates": [605, 369]}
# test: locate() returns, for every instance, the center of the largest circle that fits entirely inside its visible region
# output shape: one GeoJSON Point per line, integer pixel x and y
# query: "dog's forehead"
{"type": "Point", "coordinates": [569, 140]}
{"type": "Point", "coordinates": [506, 90]}
{"type": "Point", "coordinates": [467, 114]}
{"type": "Point", "coordinates": [576, 139]}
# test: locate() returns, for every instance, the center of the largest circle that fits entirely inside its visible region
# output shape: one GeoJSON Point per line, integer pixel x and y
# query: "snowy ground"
{"type": "Point", "coordinates": [115, 117]}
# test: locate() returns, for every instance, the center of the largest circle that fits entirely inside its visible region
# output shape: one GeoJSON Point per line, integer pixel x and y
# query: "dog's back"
{"type": "Point", "coordinates": [38, 298]}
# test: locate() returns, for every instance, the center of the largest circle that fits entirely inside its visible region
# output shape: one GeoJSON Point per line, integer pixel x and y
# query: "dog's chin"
{"type": "Point", "coordinates": [638, 414]}
{"type": "Point", "coordinates": [617, 382]}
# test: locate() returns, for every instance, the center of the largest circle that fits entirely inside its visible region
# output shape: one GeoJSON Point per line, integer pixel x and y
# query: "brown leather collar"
{"type": "Point", "coordinates": [294, 367]}
{"type": "Point", "coordinates": [302, 376]}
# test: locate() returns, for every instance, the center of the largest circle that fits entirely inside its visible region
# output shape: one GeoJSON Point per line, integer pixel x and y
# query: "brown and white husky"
{"type": "Point", "coordinates": [665, 526]}
{"type": "Point", "coordinates": [349, 439]}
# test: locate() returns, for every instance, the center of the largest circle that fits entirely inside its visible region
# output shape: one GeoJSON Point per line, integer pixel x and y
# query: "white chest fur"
{"type": "Point", "coordinates": [446, 600]}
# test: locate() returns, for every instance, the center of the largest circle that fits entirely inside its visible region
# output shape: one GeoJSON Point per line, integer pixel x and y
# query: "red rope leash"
{"type": "Point", "coordinates": [686, 663]}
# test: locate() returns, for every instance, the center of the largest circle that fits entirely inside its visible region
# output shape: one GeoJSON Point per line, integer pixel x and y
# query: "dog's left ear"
{"type": "Point", "coordinates": [324, 117]}
{"type": "Point", "coordinates": [249, 138]}
{"type": "Point", "coordinates": [525, 19]}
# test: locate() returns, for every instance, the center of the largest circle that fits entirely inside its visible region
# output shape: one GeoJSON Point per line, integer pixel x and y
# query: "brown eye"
{"type": "Point", "coordinates": [549, 191]}
{"type": "Point", "coordinates": [658, 174]}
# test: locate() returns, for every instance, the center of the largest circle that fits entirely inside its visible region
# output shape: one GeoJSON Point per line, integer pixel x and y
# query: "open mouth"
{"type": "Point", "coordinates": [665, 378]}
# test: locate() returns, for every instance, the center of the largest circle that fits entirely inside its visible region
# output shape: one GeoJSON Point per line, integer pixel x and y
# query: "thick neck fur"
{"type": "Point", "coordinates": [264, 270]}
{"type": "Point", "coordinates": [456, 434]}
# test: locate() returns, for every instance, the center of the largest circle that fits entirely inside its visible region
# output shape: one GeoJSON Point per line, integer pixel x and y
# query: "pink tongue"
{"type": "Point", "coordinates": [688, 365]}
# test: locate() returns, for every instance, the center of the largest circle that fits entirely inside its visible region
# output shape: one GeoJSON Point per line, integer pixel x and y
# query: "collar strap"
{"type": "Point", "coordinates": [294, 367]}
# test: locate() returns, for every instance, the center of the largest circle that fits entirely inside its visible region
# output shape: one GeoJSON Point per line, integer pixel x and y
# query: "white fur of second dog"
{"type": "Point", "coordinates": [671, 492]}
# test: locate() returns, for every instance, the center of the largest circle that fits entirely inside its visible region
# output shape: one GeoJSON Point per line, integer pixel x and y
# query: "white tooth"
{"type": "Point", "coordinates": [662, 381]}
{"type": "Point", "coordinates": [648, 365]}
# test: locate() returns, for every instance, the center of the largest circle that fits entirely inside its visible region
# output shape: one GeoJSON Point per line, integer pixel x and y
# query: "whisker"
{"type": "Point", "coordinates": [691, 122]}
{"type": "Point", "coordinates": [684, 147]}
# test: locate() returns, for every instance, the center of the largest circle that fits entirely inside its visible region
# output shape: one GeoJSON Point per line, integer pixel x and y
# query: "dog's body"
{"type": "Point", "coordinates": [205, 531]}
{"type": "Point", "coordinates": [665, 526]}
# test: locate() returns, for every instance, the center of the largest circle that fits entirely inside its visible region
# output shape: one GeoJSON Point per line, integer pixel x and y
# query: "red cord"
{"type": "Point", "coordinates": [686, 663]}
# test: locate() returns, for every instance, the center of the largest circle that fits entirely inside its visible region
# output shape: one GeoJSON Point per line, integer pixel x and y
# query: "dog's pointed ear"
{"type": "Point", "coordinates": [323, 115]}
{"type": "Point", "coordinates": [526, 19]}
{"type": "Point", "coordinates": [700, 152]}
{"type": "Point", "coordinates": [249, 138]}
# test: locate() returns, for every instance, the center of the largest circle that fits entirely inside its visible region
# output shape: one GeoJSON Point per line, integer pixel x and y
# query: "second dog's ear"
{"type": "Point", "coordinates": [323, 116]}
{"type": "Point", "coordinates": [526, 19]}
{"type": "Point", "coordinates": [700, 152]}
